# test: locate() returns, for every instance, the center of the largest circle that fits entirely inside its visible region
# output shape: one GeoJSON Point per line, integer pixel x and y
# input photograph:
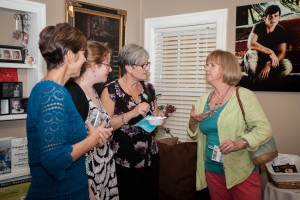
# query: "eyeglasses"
{"type": "Point", "coordinates": [106, 64]}
{"type": "Point", "coordinates": [210, 65]}
{"type": "Point", "coordinates": [144, 66]}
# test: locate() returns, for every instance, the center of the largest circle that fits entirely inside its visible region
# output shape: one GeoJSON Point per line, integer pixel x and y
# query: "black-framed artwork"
{"type": "Point", "coordinates": [11, 89]}
{"type": "Point", "coordinates": [18, 105]}
{"type": "Point", "coordinates": [251, 15]}
{"type": "Point", "coordinates": [100, 23]}
{"type": "Point", "coordinates": [12, 54]}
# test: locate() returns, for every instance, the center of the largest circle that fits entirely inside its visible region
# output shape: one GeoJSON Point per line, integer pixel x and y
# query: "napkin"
{"type": "Point", "coordinates": [144, 124]}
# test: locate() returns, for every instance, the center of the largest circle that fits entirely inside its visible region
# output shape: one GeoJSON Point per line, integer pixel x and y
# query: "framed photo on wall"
{"type": "Point", "coordinates": [18, 105]}
{"type": "Point", "coordinates": [103, 24]}
{"type": "Point", "coordinates": [12, 54]}
{"type": "Point", "coordinates": [275, 26]}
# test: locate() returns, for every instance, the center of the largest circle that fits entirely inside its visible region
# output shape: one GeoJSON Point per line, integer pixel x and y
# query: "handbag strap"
{"type": "Point", "coordinates": [241, 106]}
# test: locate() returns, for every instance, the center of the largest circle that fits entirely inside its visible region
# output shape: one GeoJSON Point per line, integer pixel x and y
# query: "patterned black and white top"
{"type": "Point", "coordinates": [133, 147]}
{"type": "Point", "coordinates": [100, 164]}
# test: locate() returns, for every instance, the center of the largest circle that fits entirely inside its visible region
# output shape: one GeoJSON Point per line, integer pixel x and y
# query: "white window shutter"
{"type": "Point", "coordinates": [177, 55]}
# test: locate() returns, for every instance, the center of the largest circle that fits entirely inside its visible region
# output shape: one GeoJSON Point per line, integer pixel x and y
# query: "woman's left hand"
{"type": "Point", "coordinates": [104, 134]}
{"type": "Point", "coordinates": [228, 146]}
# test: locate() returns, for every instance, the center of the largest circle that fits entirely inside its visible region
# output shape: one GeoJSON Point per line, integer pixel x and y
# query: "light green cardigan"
{"type": "Point", "coordinates": [237, 165]}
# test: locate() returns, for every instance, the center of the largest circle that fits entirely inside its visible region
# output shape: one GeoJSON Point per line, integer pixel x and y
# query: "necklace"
{"type": "Point", "coordinates": [135, 99]}
{"type": "Point", "coordinates": [217, 104]}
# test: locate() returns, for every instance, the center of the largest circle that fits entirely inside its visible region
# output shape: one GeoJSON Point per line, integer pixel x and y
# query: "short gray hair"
{"type": "Point", "coordinates": [132, 54]}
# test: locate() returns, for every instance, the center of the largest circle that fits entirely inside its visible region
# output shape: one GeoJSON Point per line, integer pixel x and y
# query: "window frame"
{"type": "Point", "coordinates": [207, 17]}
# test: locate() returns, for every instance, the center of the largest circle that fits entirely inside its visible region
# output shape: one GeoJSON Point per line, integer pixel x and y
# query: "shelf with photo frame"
{"type": "Point", "coordinates": [13, 106]}
{"type": "Point", "coordinates": [32, 72]}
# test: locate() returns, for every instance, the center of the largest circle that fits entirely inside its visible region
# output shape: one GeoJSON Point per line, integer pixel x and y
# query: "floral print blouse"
{"type": "Point", "coordinates": [133, 147]}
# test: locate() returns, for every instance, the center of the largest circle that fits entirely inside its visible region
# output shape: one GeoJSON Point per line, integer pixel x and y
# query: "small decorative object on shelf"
{"type": "Point", "coordinates": [29, 60]}
{"type": "Point", "coordinates": [25, 28]}
{"type": "Point", "coordinates": [11, 89]}
{"type": "Point", "coordinates": [8, 75]}
{"type": "Point", "coordinates": [4, 106]}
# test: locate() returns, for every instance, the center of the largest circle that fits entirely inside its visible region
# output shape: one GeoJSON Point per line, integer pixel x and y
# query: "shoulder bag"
{"type": "Point", "coordinates": [265, 152]}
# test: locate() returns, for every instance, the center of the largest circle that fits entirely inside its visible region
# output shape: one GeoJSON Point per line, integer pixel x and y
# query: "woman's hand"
{"type": "Point", "coordinates": [161, 114]}
{"type": "Point", "coordinates": [104, 134]}
{"type": "Point", "coordinates": [99, 134]}
{"type": "Point", "coordinates": [228, 146]}
{"type": "Point", "coordinates": [196, 118]}
{"type": "Point", "coordinates": [142, 109]}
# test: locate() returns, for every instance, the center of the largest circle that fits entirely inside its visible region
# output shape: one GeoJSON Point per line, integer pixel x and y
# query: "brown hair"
{"type": "Point", "coordinates": [96, 52]}
{"type": "Point", "coordinates": [56, 41]}
{"type": "Point", "coordinates": [232, 73]}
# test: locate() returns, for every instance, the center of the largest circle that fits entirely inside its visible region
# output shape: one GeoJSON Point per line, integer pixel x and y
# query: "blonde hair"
{"type": "Point", "coordinates": [232, 72]}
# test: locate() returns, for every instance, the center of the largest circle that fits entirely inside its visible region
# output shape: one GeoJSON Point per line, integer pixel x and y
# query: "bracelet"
{"type": "Point", "coordinates": [122, 118]}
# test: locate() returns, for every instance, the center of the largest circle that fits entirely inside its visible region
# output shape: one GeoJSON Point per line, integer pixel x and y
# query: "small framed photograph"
{"type": "Point", "coordinates": [18, 105]}
{"type": "Point", "coordinates": [4, 106]}
{"type": "Point", "coordinates": [11, 89]}
{"type": "Point", "coordinates": [12, 54]}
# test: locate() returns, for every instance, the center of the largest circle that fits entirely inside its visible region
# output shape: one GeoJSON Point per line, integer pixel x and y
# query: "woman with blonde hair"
{"type": "Point", "coordinates": [216, 121]}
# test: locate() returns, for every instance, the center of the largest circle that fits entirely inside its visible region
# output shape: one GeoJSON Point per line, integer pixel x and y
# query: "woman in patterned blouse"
{"type": "Point", "coordinates": [100, 164]}
{"type": "Point", "coordinates": [128, 100]}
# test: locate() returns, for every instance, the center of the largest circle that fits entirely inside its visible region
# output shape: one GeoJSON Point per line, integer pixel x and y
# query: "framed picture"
{"type": "Point", "coordinates": [103, 24]}
{"type": "Point", "coordinates": [4, 106]}
{"type": "Point", "coordinates": [275, 66]}
{"type": "Point", "coordinates": [18, 105]}
{"type": "Point", "coordinates": [12, 54]}
{"type": "Point", "coordinates": [11, 89]}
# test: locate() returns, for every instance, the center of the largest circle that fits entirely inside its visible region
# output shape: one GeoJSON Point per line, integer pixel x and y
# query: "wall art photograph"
{"type": "Point", "coordinates": [18, 105]}
{"type": "Point", "coordinates": [12, 54]}
{"type": "Point", "coordinates": [11, 89]}
{"type": "Point", "coordinates": [103, 24]}
{"type": "Point", "coordinates": [268, 45]}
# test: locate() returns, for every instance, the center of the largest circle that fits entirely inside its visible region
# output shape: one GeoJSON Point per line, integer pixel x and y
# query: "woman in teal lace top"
{"type": "Point", "coordinates": [56, 133]}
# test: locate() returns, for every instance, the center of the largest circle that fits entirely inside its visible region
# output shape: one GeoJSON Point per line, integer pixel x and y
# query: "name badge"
{"type": "Point", "coordinates": [216, 155]}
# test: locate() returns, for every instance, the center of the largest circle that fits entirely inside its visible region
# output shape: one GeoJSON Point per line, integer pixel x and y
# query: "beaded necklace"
{"type": "Point", "coordinates": [217, 104]}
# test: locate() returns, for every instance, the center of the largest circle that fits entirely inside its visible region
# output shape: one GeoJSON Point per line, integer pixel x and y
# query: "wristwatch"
{"type": "Point", "coordinates": [245, 142]}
